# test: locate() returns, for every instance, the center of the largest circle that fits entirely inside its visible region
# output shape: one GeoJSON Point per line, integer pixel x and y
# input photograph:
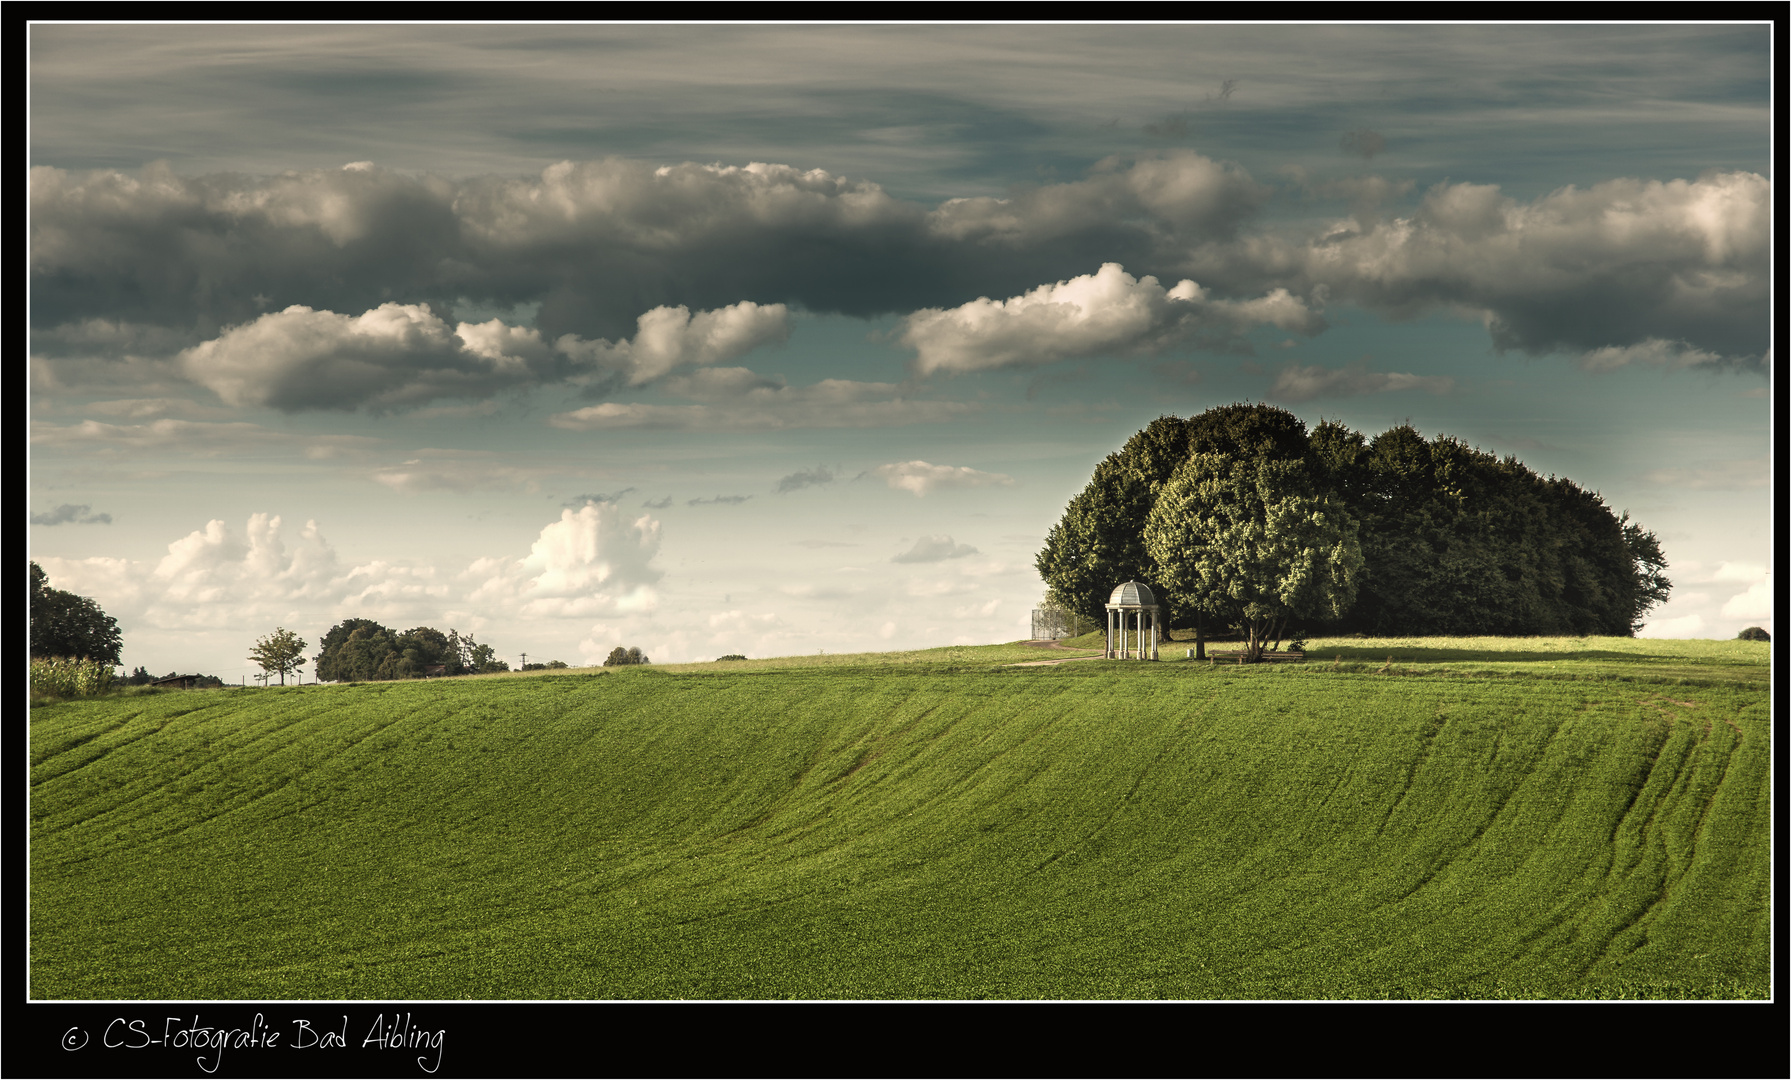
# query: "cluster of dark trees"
{"type": "Point", "coordinates": [361, 650]}
{"type": "Point", "coordinates": [70, 626]}
{"type": "Point", "coordinates": [631, 655]}
{"type": "Point", "coordinates": [142, 677]}
{"type": "Point", "coordinates": [1422, 537]}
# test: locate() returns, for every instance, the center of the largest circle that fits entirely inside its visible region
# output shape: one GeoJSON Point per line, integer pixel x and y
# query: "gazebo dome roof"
{"type": "Point", "coordinates": [1132, 594]}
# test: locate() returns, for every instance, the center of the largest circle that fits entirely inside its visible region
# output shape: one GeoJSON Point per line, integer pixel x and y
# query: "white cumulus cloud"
{"type": "Point", "coordinates": [400, 356]}
{"type": "Point", "coordinates": [670, 338]}
{"type": "Point", "coordinates": [1106, 312]}
{"type": "Point", "coordinates": [1756, 603]}
{"type": "Point", "coordinates": [593, 561]}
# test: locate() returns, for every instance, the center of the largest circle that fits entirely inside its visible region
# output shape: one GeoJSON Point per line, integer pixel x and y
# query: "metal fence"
{"type": "Point", "coordinates": [1053, 623]}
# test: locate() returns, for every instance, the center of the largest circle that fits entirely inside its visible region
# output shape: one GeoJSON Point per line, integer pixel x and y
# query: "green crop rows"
{"type": "Point", "coordinates": [934, 827]}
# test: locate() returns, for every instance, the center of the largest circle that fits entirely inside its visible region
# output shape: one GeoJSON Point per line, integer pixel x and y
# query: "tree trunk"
{"type": "Point", "coordinates": [1199, 638]}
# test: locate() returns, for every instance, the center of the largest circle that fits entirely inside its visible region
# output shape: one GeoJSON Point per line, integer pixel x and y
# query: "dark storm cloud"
{"type": "Point", "coordinates": [337, 288]}
{"type": "Point", "coordinates": [796, 481]}
{"type": "Point", "coordinates": [1600, 270]}
{"type": "Point", "coordinates": [581, 500]}
{"type": "Point", "coordinates": [719, 500]}
{"type": "Point", "coordinates": [594, 243]}
{"type": "Point", "coordinates": [68, 513]}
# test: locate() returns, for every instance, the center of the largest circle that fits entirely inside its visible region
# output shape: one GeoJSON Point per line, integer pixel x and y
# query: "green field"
{"type": "Point", "coordinates": [1471, 819]}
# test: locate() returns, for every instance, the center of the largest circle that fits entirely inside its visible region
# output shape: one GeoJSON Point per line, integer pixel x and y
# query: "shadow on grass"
{"type": "Point", "coordinates": [1429, 655]}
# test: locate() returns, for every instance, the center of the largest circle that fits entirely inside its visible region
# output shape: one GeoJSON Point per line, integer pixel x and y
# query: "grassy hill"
{"type": "Point", "coordinates": [1467, 819]}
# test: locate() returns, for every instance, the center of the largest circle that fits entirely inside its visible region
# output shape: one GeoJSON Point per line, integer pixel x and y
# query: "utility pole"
{"type": "Point", "coordinates": [525, 660]}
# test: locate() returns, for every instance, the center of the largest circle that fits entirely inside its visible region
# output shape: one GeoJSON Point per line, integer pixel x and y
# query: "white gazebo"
{"type": "Point", "coordinates": [1126, 611]}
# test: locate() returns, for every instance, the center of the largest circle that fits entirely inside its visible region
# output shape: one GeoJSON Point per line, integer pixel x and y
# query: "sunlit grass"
{"type": "Point", "coordinates": [931, 824]}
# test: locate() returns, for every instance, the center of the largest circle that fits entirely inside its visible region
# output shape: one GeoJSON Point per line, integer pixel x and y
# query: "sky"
{"type": "Point", "coordinates": [784, 339]}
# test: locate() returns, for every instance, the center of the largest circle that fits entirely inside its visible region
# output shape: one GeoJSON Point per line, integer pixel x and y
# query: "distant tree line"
{"type": "Point", "coordinates": [361, 650]}
{"type": "Point", "coordinates": [1395, 535]}
{"type": "Point", "coordinates": [619, 656]}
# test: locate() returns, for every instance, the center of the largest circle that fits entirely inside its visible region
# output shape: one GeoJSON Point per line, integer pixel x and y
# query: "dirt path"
{"type": "Point", "coordinates": [1050, 643]}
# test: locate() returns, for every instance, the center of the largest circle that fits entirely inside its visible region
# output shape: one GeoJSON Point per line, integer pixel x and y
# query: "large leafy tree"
{"type": "Point", "coordinates": [619, 656]}
{"type": "Point", "coordinates": [281, 651]}
{"type": "Point", "coordinates": [1651, 585]}
{"type": "Point", "coordinates": [1099, 542]}
{"type": "Point", "coordinates": [1254, 542]}
{"type": "Point", "coordinates": [357, 650]}
{"type": "Point", "coordinates": [66, 625]}
{"type": "Point", "coordinates": [1454, 540]}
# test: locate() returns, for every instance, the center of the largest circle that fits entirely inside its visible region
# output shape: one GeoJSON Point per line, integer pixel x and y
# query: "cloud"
{"type": "Point", "coordinates": [193, 438]}
{"type": "Point", "coordinates": [934, 549]}
{"type": "Point", "coordinates": [457, 472]}
{"type": "Point", "coordinates": [1304, 383]}
{"type": "Point", "coordinates": [68, 512]}
{"type": "Point", "coordinates": [1654, 352]}
{"type": "Point", "coordinates": [1096, 314]}
{"type": "Point", "coordinates": [1362, 143]}
{"type": "Point", "coordinates": [920, 477]}
{"type": "Point", "coordinates": [739, 400]}
{"type": "Point", "coordinates": [977, 611]}
{"type": "Point", "coordinates": [796, 481]}
{"type": "Point", "coordinates": [393, 356]}
{"type": "Point", "coordinates": [1676, 270]}
{"type": "Point", "coordinates": [595, 561]}
{"type": "Point", "coordinates": [1682, 626]}
{"type": "Point", "coordinates": [154, 264]}
{"type": "Point", "coordinates": [1170, 127]}
{"type": "Point", "coordinates": [670, 338]}
{"type": "Point", "coordinates": [403, 355]}
{"type": "Point", "coordinates": [149, 408]}
{"type": "Point", "coordinates": [1714, 476]}
{"type": "Point", "coordinates": [658, 505]}
{"type": "Point", "coordinates": [1755, 603]}
{"type": "Point", "coordinates": [579, 500]}
{"type": "Point", "coordinates": [719, 500]}
{"type": "Point", "coordinates": [1192, 197]}
{"type": "Point", "coordinates": [822, 543]}
{"type": "Point", "coordinates": [1733, 571]}
{"type": "Point", "coordinates": [180, 258]}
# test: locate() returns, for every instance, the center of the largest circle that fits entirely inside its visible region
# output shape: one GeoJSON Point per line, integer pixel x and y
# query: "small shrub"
{"type": "Point", "coordinates": [1754, 633]}
{"type": "Point", "coordinates": [65, 678]}
{"type": "Point", "coordinates": [730, 656]}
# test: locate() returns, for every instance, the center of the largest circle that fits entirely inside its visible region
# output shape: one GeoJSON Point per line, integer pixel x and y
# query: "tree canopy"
{"type": "Point", "coordinates": [1252, 542]}
{"type": "Point", "coordinates": [1453, 540]}
{"type": "Point", "coordinates": [279, 652]}
{"type": "Point", "coordinates": [66, 625]}
{"type": "Point", "coordinates": [361, 650]}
